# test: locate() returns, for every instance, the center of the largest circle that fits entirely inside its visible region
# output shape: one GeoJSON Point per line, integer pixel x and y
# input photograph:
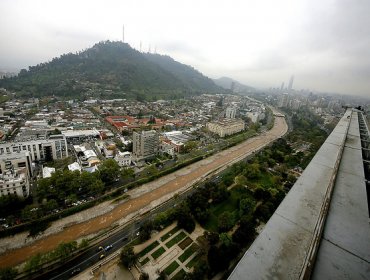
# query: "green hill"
{"type": "Point", "coordinates": [110, 69]}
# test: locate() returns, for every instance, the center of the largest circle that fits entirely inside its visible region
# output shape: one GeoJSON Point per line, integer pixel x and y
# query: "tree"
{"type": "Point", "coordinates": [146, 230]}
{"type": "Point", "coordinates": [50, 205]}
{"type": "Point", "coordinates": [90, 183]}
{"type": "Point", "coordinates": [33, 264]}
{"type": "Point", "coordinates": [225, 239]}
{"type": "Point", "coordinates": [246, 206]}
{"type": "Point", "coordinates": [84, 243]}
{"type": "Point", "coordinates": [144, 276]}
{"type": "Point", "coordinates": [162, 276]}
{"type": "Point", "coordinates": [225, 221]}
{"type": "Point", "coordinates": [8, 273]}
{"type": "Point", "coordinates": [65, 250]}
{"type": "Point", "coordinates": [252, 171]}
{"type": "Point", "coordinates": [128, 257]}
{"type": "Point", "coordinates": [189, 146]}
{"type": "Point", "coordinates": [127, 173]}
{"type": "Point", "coordinates": [109, 170]}
{"type": "Point", "coordinates": [184, 219]}
{"type": "Point", "coordinates": [212, 237]}
{"type": "Point", "coordinates": [245, 232]}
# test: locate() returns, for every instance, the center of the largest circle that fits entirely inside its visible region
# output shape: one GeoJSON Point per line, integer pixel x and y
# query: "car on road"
{"type": "Point", "coordinates": [107, 248]}
{"type": "Point", "coordinates": [76, 271]}
{"type": "Point", "coordinates": [102, 256]}
{"type": "Point", "coordinates": [100, 248]}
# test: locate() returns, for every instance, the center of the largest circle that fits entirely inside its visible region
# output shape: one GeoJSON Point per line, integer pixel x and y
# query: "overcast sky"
{"type": "Point", "coordinates": [324, 43]}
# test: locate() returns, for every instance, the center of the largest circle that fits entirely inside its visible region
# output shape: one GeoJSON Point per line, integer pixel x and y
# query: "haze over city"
{"type": "Point", "coordinates": [325, 44]}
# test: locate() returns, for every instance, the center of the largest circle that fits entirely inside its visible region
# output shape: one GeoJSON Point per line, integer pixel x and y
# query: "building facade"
{"type": "Point", "coordinates": [226, 127]}
{"type": "Point", "coordinates": [145, 144]}
{"type": "Point", "coordinates": [123, 158]}
{"type": "Point", "coordinates": [41, 149]}
{"type": "Point", "coordinates": [15, 174]}
{"type": "Point", "coordinates": [230, 113]}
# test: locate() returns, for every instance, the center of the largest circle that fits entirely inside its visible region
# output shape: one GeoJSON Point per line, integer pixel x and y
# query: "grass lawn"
{"type": "Point", "coordinates": [171, 268]}
{"type": "Point", "coordinates": [148, 249]}
{"type": "Point", "coordinates": [185, 243]}
{"type": "Point", "coordinates": [170, 233]}
{"type": "Point", "coordinates": [158, 253]}
{"type": "Point", "coordinates": [144, 261]}
{"type": "Point", "coordinates": [179, 275]}
{"type": "Point", "coordinates": [176, 239]}
{"type": "Point", "coordinates": [231, 205]}
{"type": "Point", "coordinates": [188, 252]}
{"type": "Point", "coordinates": [193, 261]}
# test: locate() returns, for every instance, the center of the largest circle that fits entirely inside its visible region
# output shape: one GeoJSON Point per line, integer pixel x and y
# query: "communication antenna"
{"type": "Point", "coordinates": [149, 50]}
{"type": "Point", "coordinates": [140, 46]}
{"type": "Point", "coordinates": [123, 33]}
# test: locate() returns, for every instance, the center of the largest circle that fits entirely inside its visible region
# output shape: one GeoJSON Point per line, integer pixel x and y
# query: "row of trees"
{"type": "Point", "coordinates": [65, 187]}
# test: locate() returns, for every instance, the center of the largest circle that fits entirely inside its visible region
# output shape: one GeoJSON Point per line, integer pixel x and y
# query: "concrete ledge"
{"type": "Point", "coordinates": [286, 248]}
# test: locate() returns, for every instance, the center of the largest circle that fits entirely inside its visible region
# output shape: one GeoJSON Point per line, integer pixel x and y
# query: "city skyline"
{"type": "Point", "coordinates": [259, 43]}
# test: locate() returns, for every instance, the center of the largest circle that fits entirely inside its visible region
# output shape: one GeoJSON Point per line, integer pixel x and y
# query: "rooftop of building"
{"type": "Point", "coordinates": [325, 214]}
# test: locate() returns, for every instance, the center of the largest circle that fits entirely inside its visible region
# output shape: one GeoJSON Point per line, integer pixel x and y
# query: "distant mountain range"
{"type": "Point", "coordinates": [111, 69]}
{"type": "Point", "coordinates": [233, 85]}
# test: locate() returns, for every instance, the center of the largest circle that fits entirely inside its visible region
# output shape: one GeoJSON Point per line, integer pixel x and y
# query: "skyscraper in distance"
{"type": "Point", "coordinates": [291, 82]}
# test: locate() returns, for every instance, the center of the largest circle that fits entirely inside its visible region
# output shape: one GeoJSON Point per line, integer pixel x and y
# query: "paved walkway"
{"type": "Point", "coordinates": [171, 254]}
{"type": "Point", "coordinates": [142, 199]}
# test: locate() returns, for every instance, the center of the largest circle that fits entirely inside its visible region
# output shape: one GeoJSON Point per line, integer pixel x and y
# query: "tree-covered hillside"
{"type": "Point", "coordinates": [110, 68]}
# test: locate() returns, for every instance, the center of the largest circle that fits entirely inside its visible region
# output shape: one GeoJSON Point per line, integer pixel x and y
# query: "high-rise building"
{"type": "Point", "coordinates": [40, 149]}
{"type": "Point", "coordinates": [230, 113]}
{"type": "Point", "coordinates": [145, 144]}
{"type": "Point", "coordinates": [282, 86]}
{"type": "Point", "coordinates": [15, 174]}
{"type": "Point", "coordinates": [283, 100]}
{"type": "Point", "coordinates": [291, 82]}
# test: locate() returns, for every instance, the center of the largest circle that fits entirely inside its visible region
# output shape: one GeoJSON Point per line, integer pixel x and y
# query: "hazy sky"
{"type": "Point", "coordinates": [324, 43]}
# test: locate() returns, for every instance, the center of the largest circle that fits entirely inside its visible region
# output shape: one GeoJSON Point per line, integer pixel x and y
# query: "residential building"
{"type": "Point", "coordinates": [79, 136]}
{"type": "Point", "coordinates": [14, 177]}
{"type": "Point", "coordinates": [283, 100]}
{"type": "Point", "coordinates": [226, 127]}
{"type": "Point", "coordinates": [123, 158]}
{"type": "Point", "coordinates": [47, 171]}
{"type": "Point", "coordinates": [145, 144]}
{"type": "Point", "coordinates": [230, 113]}
{"type": "Point", "coordinates": [17, 160]}
{"type": "Point", "coordinates": [40, 149]}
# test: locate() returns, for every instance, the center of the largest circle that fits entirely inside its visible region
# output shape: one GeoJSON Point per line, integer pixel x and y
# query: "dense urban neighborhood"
{"type": "Point", "coordinates": [60, 157]}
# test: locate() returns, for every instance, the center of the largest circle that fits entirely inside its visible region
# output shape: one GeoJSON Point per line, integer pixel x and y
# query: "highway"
{"type": "Point", "coordinates": [119, 239]}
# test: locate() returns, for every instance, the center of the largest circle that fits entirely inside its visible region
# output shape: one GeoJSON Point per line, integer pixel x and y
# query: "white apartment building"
{"type": "Point", "coordinates": [18, 160]}
{"type": "Point", "coordinates": [145, 144]}
{"type": "Point", "coordinates": [41, 149]}
{"type": "Point", "coordinates": [230, 113]}
{"type": "Point", "coordinates": [226, 127]}
{"type": "Point", "coordinates": [123, 158]}
{"type": "Point", "coordinates": [14, 175]}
